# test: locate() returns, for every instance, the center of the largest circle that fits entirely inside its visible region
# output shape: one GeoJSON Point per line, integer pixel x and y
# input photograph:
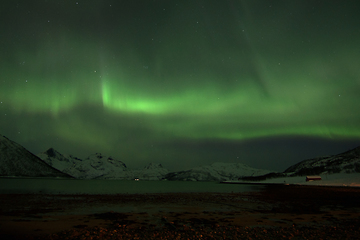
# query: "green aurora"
{"type": "Point", "coordinates": [158, 80]}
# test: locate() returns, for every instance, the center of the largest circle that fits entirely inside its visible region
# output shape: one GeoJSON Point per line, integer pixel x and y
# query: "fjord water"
{"type": "Point", "coordinates": [66, 186]}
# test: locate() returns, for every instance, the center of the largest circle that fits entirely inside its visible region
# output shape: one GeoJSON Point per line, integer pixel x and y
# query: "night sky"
{"type": "Point", "coordinates": [183, 83]}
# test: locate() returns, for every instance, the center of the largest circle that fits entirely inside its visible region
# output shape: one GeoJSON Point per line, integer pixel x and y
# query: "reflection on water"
{"type": "Point", "coordinates": [66, 186]}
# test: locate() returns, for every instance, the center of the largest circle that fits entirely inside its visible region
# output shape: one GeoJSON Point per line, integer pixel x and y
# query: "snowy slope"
{"type": "Point", "coordinates": [98, 166]}
{"type": "Point", "coordinates": [344, 165]}
{"type": "Point", "coordinates": [216, 172]}
{"type": "Point", "coordinates": [16, 161]}
{"type": "Point", "coordinates": [347, 162]}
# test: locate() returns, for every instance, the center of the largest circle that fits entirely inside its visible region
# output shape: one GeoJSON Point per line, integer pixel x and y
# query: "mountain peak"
{"type": "Point", "coordinates": [51, 152]}
{"type": "Point", "coordinates": [153, 166]}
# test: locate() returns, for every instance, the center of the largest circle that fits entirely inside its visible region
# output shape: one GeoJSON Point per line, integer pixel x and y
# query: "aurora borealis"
{"type": "Point", "coordinates": [183, 83]}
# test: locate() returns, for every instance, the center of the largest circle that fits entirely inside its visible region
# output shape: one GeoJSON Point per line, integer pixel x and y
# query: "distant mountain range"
{"type": "Point", "coordinates": [16, 161]}
{"type": "Point", "coordinates": [216, 172]}
{"type": "Point", "coordinates": [98, 166]}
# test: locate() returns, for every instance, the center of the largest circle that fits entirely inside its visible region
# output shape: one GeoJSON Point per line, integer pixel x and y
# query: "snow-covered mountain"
{"type": "Point", "coordinates": [153, 171]}
{"type": "Point", "coordinates": [344, 163]}
{"type": "Point", "coordinates": [347, 162]}
{"type": "Point", "coordinates": [94, 166]}
{"type": "Point", "coordinates": [16, 161]}
{"type": "Point", "coordinates": [216, 172]}
{"type": "Point", "coordinates": [98, 166]}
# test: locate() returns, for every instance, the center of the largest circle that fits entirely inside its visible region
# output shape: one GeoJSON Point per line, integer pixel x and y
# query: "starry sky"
{"type": "Point", "coordinates": [183, 83]}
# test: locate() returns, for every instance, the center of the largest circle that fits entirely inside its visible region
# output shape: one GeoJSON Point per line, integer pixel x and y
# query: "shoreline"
{"type": "Point", "coordinates": [254, 183]}
{"type": "Point", "coordinates": [288, 209]}
{"type": "Point", "coordinates": [290, 184]}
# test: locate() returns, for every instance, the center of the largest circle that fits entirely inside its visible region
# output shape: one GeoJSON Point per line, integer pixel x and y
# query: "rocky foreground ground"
{"type": "Point", "coordinates": [277, 212]}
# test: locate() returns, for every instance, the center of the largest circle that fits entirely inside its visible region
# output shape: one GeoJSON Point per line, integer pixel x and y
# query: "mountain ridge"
{"type": "Point", "coordinates": [98, 166]}
{"type": "Point", "coordinates": [348, 162]}
{"type": "Point", "coordinates": [345, 162]}
{"type": "Point", "coordinates": [15, 161]}
{"type": "Point", "coordinates": [217, 171]}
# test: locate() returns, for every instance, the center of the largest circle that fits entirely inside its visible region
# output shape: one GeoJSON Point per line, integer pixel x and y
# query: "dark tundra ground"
{"type": "Point", "coordinates": [278, 212]}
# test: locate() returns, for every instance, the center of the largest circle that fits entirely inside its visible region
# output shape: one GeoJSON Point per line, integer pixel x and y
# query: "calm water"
{"type": "Point", "coordinates": [66, 186]}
